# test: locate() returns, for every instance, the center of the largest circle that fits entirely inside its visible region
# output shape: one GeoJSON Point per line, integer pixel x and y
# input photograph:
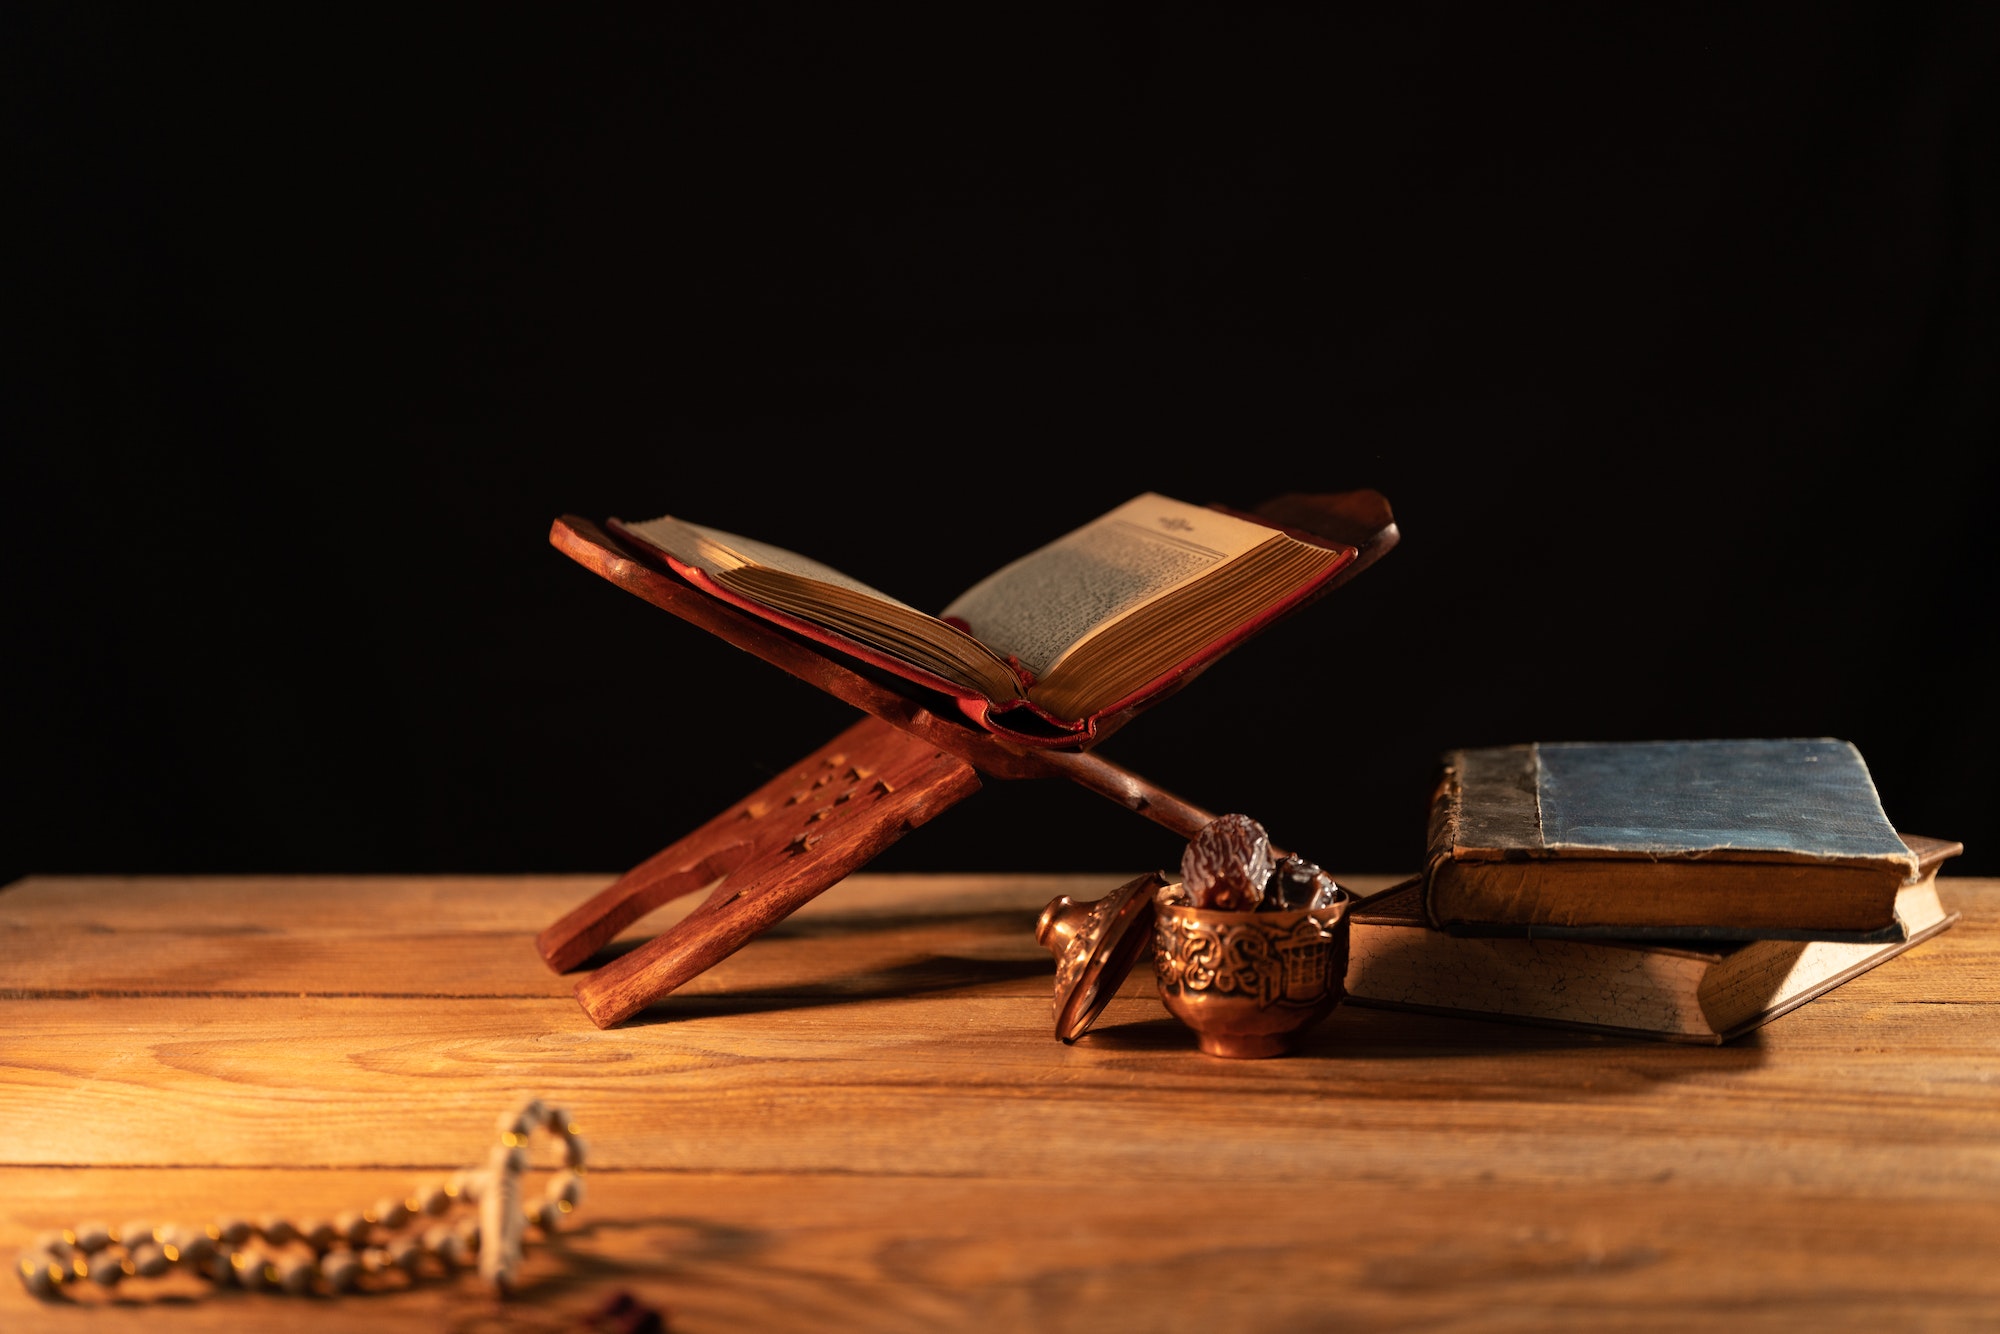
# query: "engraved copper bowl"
{"type": "Point", "coordinates": [1250, 983]}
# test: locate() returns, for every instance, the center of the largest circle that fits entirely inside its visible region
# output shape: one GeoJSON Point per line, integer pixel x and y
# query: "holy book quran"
{"type": "Point", "coordinates": [1118, 611]}
{"type": "Point", "coordinates": [1668, 840]}
{"type": "Point", "coordinates": [1679, 993]}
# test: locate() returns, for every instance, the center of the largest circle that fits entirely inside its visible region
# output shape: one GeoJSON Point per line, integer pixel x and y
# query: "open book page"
{"type": "Point", "coordinates": [1041, 606]}
{"type": "Point", "coordinates": [720, 553]}
{"type": "Point", "coordinates": [775, 578]}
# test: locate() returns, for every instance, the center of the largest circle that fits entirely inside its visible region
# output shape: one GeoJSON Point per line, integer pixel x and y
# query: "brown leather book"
{"type": "Point", "coordinates": [1744, 839]}
{"type": "Point", "coordinates": [1649, 989]}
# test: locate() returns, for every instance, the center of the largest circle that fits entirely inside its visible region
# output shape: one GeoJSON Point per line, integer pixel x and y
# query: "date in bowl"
{"type": "Point", "coordinates": [1249, 983]}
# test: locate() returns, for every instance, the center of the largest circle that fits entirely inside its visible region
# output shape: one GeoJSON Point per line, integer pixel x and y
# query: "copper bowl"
{"type": "Point", "coordinates": [1249, 983]}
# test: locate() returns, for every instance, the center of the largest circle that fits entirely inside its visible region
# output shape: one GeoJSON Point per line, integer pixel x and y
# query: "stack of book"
{"type": "Point", "coordinates": [1683, 890]}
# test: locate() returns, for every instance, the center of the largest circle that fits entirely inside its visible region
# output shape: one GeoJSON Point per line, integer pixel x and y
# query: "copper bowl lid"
{"type": "Point", "coordinates": [1095, 944]}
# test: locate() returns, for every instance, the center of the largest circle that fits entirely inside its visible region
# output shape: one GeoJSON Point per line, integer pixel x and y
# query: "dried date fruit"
{"type": "Point", "coordinates": [1227, 864]}
{"type": "Point", "coordinates": [1327, 895]}
{"type": "Point", "coordinates": [1298, 883]}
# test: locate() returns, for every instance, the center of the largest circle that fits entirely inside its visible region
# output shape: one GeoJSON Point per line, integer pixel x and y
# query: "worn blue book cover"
{"type": "Point", "coordinates": [1722, 839]}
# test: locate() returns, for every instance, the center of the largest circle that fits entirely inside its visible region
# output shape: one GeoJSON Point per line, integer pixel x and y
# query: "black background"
{"type": "Point", "coordinates": [1668, 332]}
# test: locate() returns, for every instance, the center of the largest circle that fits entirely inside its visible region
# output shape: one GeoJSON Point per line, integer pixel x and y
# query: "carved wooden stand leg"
{"type": "Point", "coordinates": [810, 827]}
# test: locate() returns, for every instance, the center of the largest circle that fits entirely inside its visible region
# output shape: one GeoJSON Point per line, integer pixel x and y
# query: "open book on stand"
{"type": "Point", "coordinates": [1115, 613]}
{"type": "Point", "coordinates": [1633, 988]}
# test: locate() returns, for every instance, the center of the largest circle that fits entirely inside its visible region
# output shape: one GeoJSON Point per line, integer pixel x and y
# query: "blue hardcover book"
{"type": "Point", "coordinates": [1763, 838]}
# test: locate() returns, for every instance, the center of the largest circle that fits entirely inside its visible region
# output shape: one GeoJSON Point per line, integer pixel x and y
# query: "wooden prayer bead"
{"type": "Point", "coordinates": [219, 1266]}
{"type": "Point", "coordinates": [406, 1254]}
{"type": "Point", "coordinates": [566, 1187]}
{"type": "Point", "coordinates": [91, 1237]}
{"type": "Point", "coordinates": [149, 1260]}
{"type": "Point", "coordinates": [522, 1118]}
{"type": "Point", "coordinates": [195, 1246]}
{"type": "Point", "coordinates": [296, 1273]}
{"type": "Point", "coordinates": [441, 1241]}
{"type": "Point", "coordinates": [253, 1270]}
{"type": "Point", "coordinates": [340, 1269]}
{"type": "Point", "coordinates": [43, 1275]}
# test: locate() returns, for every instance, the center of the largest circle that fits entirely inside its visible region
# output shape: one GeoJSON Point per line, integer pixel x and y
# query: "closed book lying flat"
{"type": "Point", "coordinates": [1675, 993]}
{"type": "Point", "coordinates": [1666, 840]}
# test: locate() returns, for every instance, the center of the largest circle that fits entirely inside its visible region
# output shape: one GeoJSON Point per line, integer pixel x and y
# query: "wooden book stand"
{"type": "Point", "coordinates": [828, 816]}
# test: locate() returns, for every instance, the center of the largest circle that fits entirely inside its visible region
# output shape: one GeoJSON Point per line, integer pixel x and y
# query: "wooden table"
{"type": "Point", "coordinates": [862, 1121]}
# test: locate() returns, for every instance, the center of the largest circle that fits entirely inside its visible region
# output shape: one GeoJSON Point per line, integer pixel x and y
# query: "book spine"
{"type": "Point", "coordinates": [1441, 834]}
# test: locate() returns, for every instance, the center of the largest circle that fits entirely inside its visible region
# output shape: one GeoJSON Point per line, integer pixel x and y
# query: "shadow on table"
{"type": "Point", "coordinates": [1608, 1063]}
{"type": "Point", "coordinates": [833, 960]}
{"type": "Point", "coordinates": [926, 976]}
{"type": "Point", "coordinates": [1009, 925]}
{"type": "Point", "coordinates": [899, 955]}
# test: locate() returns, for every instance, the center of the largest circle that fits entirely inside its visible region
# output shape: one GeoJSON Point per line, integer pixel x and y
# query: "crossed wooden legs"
{"type": "Point", "coordinates": [806, 829]}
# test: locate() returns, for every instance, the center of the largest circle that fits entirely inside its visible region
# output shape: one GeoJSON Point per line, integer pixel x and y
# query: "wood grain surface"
{"type": "Point", "coordinates": [862, 1120]}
